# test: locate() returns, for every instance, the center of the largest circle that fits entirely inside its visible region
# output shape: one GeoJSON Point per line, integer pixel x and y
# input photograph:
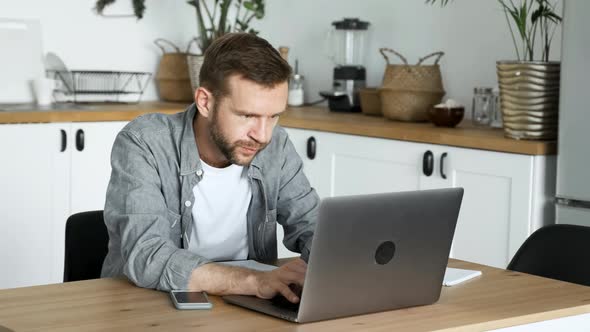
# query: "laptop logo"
{"type": "Point", "coordinates": [384, 252]}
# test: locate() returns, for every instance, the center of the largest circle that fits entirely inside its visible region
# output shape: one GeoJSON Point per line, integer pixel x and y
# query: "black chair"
{"type": "Point", "coordinates": [87, 243]}
{"type": "Point", "coordinates": [559, 252]}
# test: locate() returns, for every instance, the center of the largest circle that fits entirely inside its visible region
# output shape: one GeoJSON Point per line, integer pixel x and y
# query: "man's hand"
{"type": "Point", "coordinates": [268, 284]}
{"type": "Point", "coordinates": [219, 279]}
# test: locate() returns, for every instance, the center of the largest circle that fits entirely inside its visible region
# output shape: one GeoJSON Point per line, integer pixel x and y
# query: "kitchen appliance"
{"type": "Point", "coordinates": [573, 159]}
{"type": "Point", "coordinates": [347, 40]}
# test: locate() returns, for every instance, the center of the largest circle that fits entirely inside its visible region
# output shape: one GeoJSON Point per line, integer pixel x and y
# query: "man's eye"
{"type": "Point", "coordinates": [246, 116]}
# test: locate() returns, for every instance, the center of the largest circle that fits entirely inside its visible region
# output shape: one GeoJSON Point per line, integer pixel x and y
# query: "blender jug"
{"type": "Point", "coordinates": [347, 51]}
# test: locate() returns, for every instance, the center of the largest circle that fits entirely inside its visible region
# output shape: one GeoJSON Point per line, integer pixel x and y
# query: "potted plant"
{"type": "Point", "coordinates": [213, 21]}
{"type": "Point", "coordinates": [529, 85]}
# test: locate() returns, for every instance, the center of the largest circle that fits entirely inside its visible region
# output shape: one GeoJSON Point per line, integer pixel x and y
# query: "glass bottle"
{"type": "Point", "coordinates": [497, 118]}
{"type": "Point", "coordinates": [483, 107]}
{"type": "Point", "coordinates": [296, 96]}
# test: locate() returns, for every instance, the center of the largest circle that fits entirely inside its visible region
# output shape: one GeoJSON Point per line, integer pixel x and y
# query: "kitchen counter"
{"type": "Point", "coordinates": [313, 118]}
{"type": "Point", "coordinates": [87, 112]}
{"type": "Point", "coordinates": [464, 135]}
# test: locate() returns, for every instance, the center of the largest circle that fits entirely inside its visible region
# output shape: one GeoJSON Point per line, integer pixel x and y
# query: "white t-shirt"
{"type": "Point", "coordinates": [222, 198]}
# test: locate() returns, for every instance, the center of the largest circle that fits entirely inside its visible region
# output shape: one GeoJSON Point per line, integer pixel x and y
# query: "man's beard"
{"type": "Point", "coordinates": [228, 149]}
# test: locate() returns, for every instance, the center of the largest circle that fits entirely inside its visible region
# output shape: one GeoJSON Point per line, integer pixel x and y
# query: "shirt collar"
{"type": "Point", "coordinates": [189, 153]}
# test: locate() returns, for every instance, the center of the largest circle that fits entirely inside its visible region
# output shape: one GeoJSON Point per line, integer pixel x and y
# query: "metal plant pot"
{"type": "Point", "coordinates": [529, 97]}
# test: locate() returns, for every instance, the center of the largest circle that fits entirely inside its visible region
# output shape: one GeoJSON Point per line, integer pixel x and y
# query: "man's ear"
{"type": "Point", "coordinates": [203, 101]}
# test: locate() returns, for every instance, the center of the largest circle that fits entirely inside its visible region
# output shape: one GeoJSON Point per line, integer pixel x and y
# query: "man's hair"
{"type": "Point", "coordinates": [246, 55]}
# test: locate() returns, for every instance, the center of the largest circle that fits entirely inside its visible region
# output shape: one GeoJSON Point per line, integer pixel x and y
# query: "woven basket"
{"type": "Point", "coordinates": [410, 106]}
{"type": "Point", "coordinates": [408, 91]}
{"type": "Point", "coordinates": [412, 77]}
{"type": "Point", "coordinates": [173, 75]}
{"type": "Point", "coordinates": [370, 101]}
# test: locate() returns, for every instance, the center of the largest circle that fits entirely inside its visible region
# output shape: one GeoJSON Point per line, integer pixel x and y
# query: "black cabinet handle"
{"type": "Point", "coordinates": [442, 167]}
{"type": "Point", "coordinates": [428, 163]}
{"type": "Point", "coordinates": [311, 147]}
{"type": "Point", "coordinates": [80, 140]}
{"type": "Point", "coordinates": [64, 141]}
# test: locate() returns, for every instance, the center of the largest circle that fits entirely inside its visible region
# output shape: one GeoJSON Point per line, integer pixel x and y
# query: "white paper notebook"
{"type": "Point", "coordinates": [456, 276]}
{"type": "Point", "coordinates": [452, 276]}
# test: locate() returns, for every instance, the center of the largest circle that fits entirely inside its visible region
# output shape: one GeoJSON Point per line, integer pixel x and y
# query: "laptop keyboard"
{"type": "Point", "coordinates": [281, 302]}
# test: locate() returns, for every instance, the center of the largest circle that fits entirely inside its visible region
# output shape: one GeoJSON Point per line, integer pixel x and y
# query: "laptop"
{"type": "Point", "coordinates": [372, 253]}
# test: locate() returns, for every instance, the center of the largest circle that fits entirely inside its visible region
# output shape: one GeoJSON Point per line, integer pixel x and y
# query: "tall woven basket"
{"type": "Point", "coordinates": [173, 78]}
{"type": "Point", "coordinates": [409, 91]}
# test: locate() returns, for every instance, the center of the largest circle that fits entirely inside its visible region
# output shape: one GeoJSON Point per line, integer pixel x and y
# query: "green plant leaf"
{"type": "Point", "coordinates": [518, 14]}
{"type": "Point", "coordinates": [139, 8]}
{"type": "Point", "coordinates": [554, 17]}
{"type": "Point", "coordinates": [442, 2]}
{"type": "Point", "coordinates": [101, 4]}
{"type": "Point", "coordinates": [249, 5]}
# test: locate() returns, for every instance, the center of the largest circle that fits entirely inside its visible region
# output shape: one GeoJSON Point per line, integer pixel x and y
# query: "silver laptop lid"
{"type": "Point", "coordinates": [379, 252]}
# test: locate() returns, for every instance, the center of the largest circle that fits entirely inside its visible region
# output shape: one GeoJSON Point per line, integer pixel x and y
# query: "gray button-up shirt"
{"type": "Point", "coordinates": [148, 210]}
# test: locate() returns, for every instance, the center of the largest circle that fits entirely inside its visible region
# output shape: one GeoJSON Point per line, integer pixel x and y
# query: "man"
{"type": "Point", "coordinates": [210, 184]}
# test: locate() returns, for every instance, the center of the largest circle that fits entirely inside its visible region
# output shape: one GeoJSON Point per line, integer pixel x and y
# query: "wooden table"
{"type": "Point", "coordinates": [498, 298]}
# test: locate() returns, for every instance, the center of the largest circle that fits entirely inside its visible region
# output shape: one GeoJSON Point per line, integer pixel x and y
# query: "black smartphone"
{"type": "Point", "coordinates": [190, 300]}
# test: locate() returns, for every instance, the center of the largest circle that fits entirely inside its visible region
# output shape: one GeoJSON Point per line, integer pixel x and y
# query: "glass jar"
{"type": "Point", "coordinates": [497, 118]}
{"type": "Point", "coordinates": [484, 106]}
{"type": "Point", "coordinates": [295, 97]}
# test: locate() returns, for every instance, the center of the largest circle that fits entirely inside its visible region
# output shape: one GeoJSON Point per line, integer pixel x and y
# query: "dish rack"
{"type": "Point", "coordinates": [91, 86]}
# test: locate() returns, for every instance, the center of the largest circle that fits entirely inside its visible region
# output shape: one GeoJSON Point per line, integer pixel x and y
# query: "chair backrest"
{"type": "Point", "coordinates": [87, 243]}
{"type": "Point", "coordinates": [559, 252]}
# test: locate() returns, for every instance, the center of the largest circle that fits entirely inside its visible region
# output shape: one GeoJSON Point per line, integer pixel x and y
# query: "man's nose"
{"type": "Point", "coordinates": [261, 130]}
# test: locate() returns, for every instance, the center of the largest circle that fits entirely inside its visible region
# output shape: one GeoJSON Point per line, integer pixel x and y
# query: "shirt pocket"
{"type": "Point", "coordinates": [175, 229]}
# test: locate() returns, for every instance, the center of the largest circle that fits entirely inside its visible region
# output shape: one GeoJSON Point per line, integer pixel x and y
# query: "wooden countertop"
{"type": "Point", "coordinates": [464, 135]}
{"type": "Point", "coordinates": [90, 113]}
{"type": "Point", "coordinates": [315, 118]}
{"type": "Point", "coordinates": [497, 299]}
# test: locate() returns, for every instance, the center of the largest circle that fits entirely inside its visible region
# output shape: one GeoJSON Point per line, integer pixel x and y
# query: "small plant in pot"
{"type": "Point", "coordinates": [214, 19]}
{"type": "Point", "coordinates": [529, 86]}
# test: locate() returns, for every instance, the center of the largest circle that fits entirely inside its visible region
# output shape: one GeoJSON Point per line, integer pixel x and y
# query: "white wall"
{"type": "Point", "coordinates": [472, 33]}
{"type": "Point", "coordinates": [84, 40]}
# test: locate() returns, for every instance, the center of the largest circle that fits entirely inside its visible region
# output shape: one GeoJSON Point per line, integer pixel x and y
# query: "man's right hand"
{"type": "Point", "coordinates": [271, 283]}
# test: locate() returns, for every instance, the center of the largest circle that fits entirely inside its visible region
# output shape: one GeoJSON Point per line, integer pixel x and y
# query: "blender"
{"type": "Point", "coordinates": [347, 39]}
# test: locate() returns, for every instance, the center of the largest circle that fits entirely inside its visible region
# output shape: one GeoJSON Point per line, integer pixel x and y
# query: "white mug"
{"type": "Point", "coordinates": [43, 90]}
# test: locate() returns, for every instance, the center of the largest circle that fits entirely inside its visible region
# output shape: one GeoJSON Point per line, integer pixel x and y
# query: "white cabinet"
{"type": "Point", "coordinates": [507, 196]}
{"type": "Point", "coordinates": [352, 165]}
{"type": "Point", "coordinates": [89, 148]}
{"type": "Point", "coordinates": [91, 165]}
{"type": "Point", "coordinates": [315, 159]}
{"type": "Point", "coordinates": [33, 178]}
{"type": "Point", "coordinates": [47, 173]}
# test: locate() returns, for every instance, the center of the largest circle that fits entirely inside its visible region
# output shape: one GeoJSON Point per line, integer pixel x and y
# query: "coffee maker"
{"type": "Point", "coordinates": [347, 40]}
